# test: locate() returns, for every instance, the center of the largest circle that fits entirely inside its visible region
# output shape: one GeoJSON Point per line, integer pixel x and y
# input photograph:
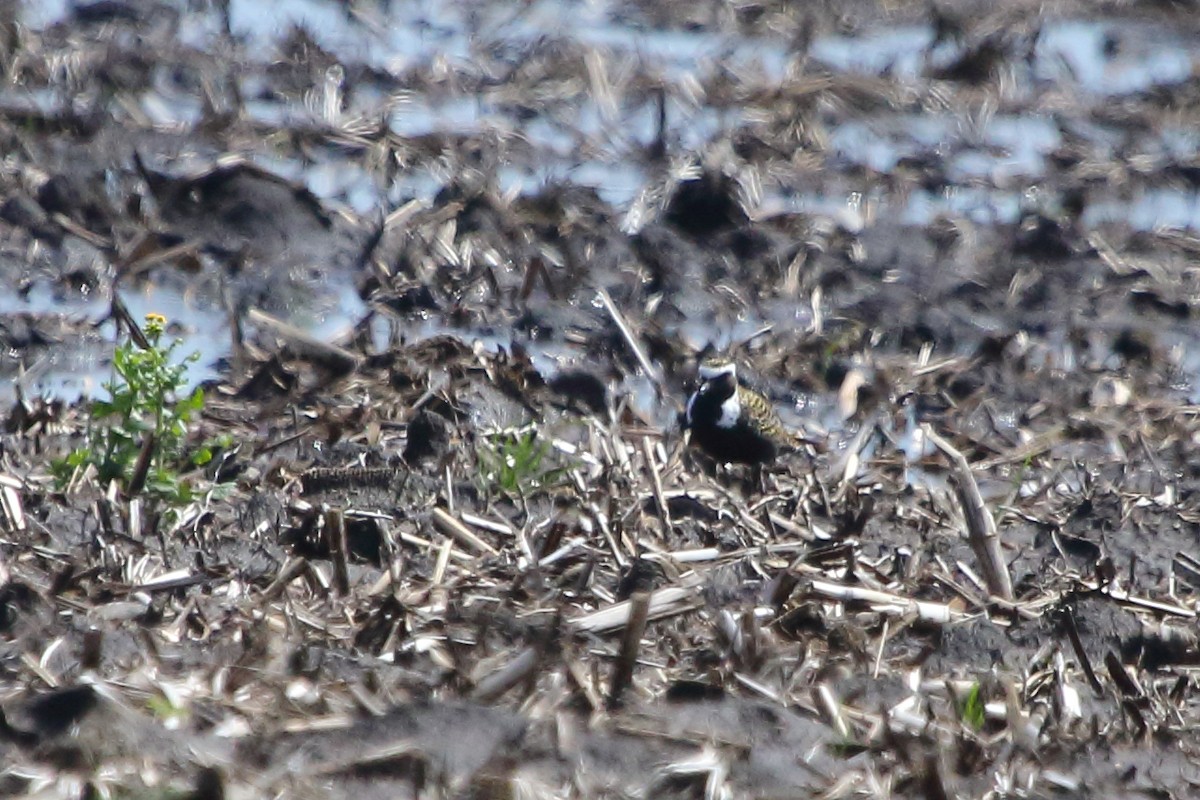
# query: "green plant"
{"type": "Point", "coordinates": [513, 462]}
{"type": "Point", "coordinates": [144, 409]}
{"type": "Point", "coordinates": [846, 747]}
{"type": "Point", "coordinates": [162, 708]}
{"type": "Point", "coordinates": [972, 709]}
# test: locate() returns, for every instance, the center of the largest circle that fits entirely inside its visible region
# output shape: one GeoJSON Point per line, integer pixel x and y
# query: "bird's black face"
{"type": "Point", "coordinates": [706, 405]}
{"type": "Point", "coordinates": [719, 388]}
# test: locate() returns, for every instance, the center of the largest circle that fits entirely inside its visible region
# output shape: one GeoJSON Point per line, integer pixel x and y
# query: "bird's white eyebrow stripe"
{"type": "Point", "coordinates": [708, 373]}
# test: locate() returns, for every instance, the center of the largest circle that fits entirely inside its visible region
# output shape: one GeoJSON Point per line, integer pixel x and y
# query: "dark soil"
{"type": "Point", "coordinates": [451, 269]}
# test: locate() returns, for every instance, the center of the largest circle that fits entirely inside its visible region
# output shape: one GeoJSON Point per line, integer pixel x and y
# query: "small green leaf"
{"type": "Point", "coordinates": [973, 712]}
{"type": "Point", "coordinates": [221, 491]}
{"type": "Point", "coordinates": [195, 402]}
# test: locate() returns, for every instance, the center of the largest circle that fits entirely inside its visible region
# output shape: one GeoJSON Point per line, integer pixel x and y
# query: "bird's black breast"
{"type": "Point", "coordinates": [740, 444]}
{"type": "Point", "coordinates": [705, 410]}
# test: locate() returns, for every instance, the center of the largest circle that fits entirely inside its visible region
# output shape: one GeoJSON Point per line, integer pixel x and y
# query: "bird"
{"type": "Point", "coordinates": [732, 423]}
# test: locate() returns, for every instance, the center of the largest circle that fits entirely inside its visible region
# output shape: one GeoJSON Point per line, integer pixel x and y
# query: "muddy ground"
{"type": "Point", "coordinates": [416, 243]}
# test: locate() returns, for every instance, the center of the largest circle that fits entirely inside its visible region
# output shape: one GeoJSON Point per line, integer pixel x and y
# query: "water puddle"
{"type": "Point", "coordinates": [419, 116]}
{"type": "Point", "coordinates": [899, 51]}
{"type": "Point", "coordinates": [78, 367]}
{"type": "Point", "coordinates": [1000, 149]}
{"type": "Point", "coordinates": [1110, 59]}
{"type": "Point", "coordinates": [979, 204]}
{"type": "Point", "coordinates": [1105, 58]}
{"type": "Point", "coordinates": [987, 161]}
{"type": "Point", "coordinates": [43, 13]}
{"type": "Point", "coordinates": [1149, 210]}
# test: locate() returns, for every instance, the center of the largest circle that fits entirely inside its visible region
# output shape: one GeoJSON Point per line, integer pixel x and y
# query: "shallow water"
{"type": "Point", "coordinates": [460, 48]}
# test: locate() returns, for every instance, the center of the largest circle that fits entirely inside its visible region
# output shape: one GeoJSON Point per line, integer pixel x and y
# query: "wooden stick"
{"type": "Point", "coordinates": [981, 526]}
{"type": "Point", "coordinates": [630, 339]}
{"type": "Point", "coordinates": [663, 602]}
{"type": "Point", "coordinates": [329, 355]}
{"type": "Point", "coordinates": [631, 642]}
{"type": "Point", "coordinates": [445, 522]}
{"type": "Point", "coordinates": [656, 476]}
{"type": "Point", "coordinates": [141, 469]}
{"type": "Point", "coordinates": [292, 569]}
{"type": "Point", "coordinates": [497, 683]}
{"type": "Point", "coordinates": [935, 612]}
{"type": "Point", "coordinates": [1085, 663]}
{"type": "Point", "coordinates": [335, 539]}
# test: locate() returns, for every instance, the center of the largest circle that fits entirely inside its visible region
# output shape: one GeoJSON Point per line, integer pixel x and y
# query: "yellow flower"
{"type": "Point", "coordinates": [155, 323]}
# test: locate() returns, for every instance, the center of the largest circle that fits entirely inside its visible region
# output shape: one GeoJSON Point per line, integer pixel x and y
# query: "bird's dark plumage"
{"type": "Point", "coordinates": [731, 423]}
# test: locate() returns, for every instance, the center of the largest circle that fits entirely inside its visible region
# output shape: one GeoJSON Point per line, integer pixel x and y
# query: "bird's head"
{"type": "Point", "coordinates": [718, 378]}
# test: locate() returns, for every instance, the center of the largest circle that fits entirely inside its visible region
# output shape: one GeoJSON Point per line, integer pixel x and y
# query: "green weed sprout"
{"type": "Point", "coordinates": [144, 401]}
{"type": "Point", "coordinates": [972, 708]}
{"type": "Point", "coordinates": [512, 462]}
